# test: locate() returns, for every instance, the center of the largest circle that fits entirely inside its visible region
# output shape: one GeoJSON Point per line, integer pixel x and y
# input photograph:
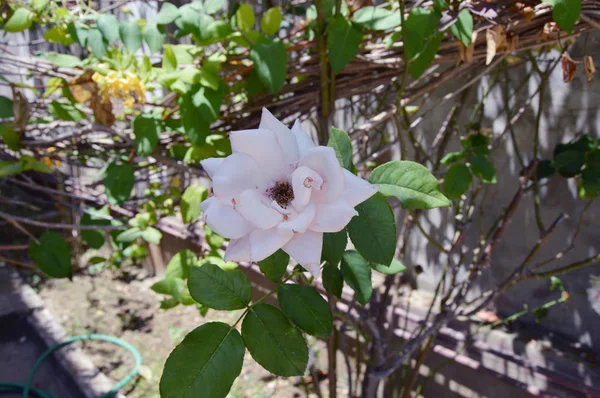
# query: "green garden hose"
{"type": "Point", "coordinates": [29, 392]}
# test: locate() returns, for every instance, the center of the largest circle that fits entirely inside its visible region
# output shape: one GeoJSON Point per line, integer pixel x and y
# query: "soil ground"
{"type": "Point", "coordinates": [123, 305]}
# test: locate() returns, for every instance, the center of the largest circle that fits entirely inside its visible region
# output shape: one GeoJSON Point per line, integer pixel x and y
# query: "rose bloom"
{"type": "Point", "coordinates": [279, 190]}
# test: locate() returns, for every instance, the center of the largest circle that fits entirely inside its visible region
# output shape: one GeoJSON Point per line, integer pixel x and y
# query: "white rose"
{"type": "Point", "coordinates": [278, 190]}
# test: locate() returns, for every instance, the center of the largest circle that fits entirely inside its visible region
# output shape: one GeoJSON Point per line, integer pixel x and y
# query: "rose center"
{"type": "Point", "coordinates": [282, 193]}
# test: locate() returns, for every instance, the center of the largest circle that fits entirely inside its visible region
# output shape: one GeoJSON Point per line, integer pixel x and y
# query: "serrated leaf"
{"type": "Point", "coordinates": [270, 63]}
{"type": "Point", "coordinates": [273, 342]}
{"type": "Point", "coordinates": [411, 183]}
{"type": "Point", "coordinates": [373, 230]}
{"type": "Point", "coordinates": [52, 255]}
{"type": "Point", "coordinates": [147, 133]}
{"type": "Point", "coordinates": [306, 308]}
{"type": "Point", "coordinates": [274, 266]}
{"type": "Point", "coordinates": [343, 41]}
{"type": "Point", "coordinates": [118, 182]}
{"type": "Point", "coordinates": [190, 202]}
{"type": "Point", "coordinates": [218, 289]}
{"type": "Point", "coordinates": [333, 280]}
{"type": "Point", "coordinates": [357, 274]}
{"type": "Point", "coordinates": [204, 364]}
{"type": "Point", "coordinates": [457, 181]}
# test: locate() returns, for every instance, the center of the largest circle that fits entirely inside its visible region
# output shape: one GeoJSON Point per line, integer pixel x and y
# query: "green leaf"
{"type": "Point", "coordinates": [274, 266]}
{"type": "Point", "coordinates": [190, 202]}
{"type": "Point", "coordinates": [63, 60]}
{"type": "Point", "coordinates": [6, 107]}
{"type": "Point", "coordinates": [271, 20]}
{"type": "Point", "coordinates": [218, 289]}
{"type": "Point", "coordinates": [97, 43]}
{"type": "Point", "coordinates": [218, 30]}
{"type": "Point", "coordinates": [392, 38]}
{"type": "Point", "coordinates": [129, 235]}
{"type": "Point", "coordinates": [422, 61]}
{"type": "Point", "coordinates": [306, 308]}
{"type": "Point", "coordinates": [155, 37]}
{"type": "Point", "coordinates": [270, 62]}
{"type": "Point", "coordinates": [78, 32]}
{"type": "Point", "coordinates": [357, 274]}
{"type": "Point", "coordinates": [169, 59]}
{"type": "Point", "coordinates": [411, 183]}
{"type": "Point", "coordinates": [569, 163]}
{"type": "Point", "coordinates": [483, 168]}
{"type": "Point", "coordinates": [556, 284]}
{"type": "Point", "coordinates": [131, 35]}
{"type": "Point", "coordinates": [152, 235]}
{"type": "Point", "coordinates": [95, 238]}
{"type": "Point", "coordinates": [333, 280]}
{"type": "Point", "coordinates": [65, 111]}
{"type": "Point", "coordinates": [10, 137]}
{"type": "Point", "coordinates": [377, 18]}
{"type": "Point", "coordinates": [20, 20]}
{"type": "Point", "coordinates": [422, 39]}
{"type": "Point", "coordinates": [8, 169]}
{"type": "Point", "coordinates": [107, 23]}
{"type": "Point", "coordinates": [340, 142]}
{"type": "Point", "coordinates": [453, 157]}
{"type": "Point", "coordinates": [457, 181]}
{"type": "Point", "coordinates": [52, 255]}
{"type": "Point", "coordinates": [180, 265]}
{"type": "Point", "coordinates": [343, 41]}
{"type": "Point", "coordinates": [334, 244]}
{"type": "Point", "coordinates": [463, 27]}
{"type": "Point", "coordinates": [204, 364]}
{"type": "Point", "coordinates": [565, 12]}
{"type": "Point", "coordinates": [477, 143]}
{"type": "Point", "coordinates": [167, 14]}
{"type": "Point", "coordinates": [373, 231]}
{"type": "Point", "coordinates": [57, 34]}
{"type": "Point", "coordinates": [147, 133]}
{"type": "Point", "coordinates": [245, 17]}
{"type": "Point", "coordinates": [213, 6]}
{"type": "Point", "coordinates": [394, 268]}
{"type": "Point", "coordinates": [545, 169]}
{"type": "Point", "coordinates": [38, 5]}
{"type": "Point", "coordinates": [273, 342]}
{"type": "Point", "coordinates": [119, 181]}
{"type": "Point", "coordinates": [198, 108]}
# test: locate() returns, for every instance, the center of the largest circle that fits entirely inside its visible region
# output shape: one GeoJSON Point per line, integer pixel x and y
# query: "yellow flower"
{"type": "Point", "coordinates": [128, 88]}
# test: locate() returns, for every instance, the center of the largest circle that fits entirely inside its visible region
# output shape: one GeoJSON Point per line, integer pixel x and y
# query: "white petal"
{"type": "Point", "coordinates": [254, 209]}
{"type": "Point", "coordinates": [304, 180]}
{"type": "Point", "coordinates": [263, 147]}
{"type": "Point", "coordinates": [332, 217]}
{"type": "Point", "coordinates": [285, 138]}
{"type": "Point", "coordinates": [302, 138]}
{"type": "Point", "coordinates": [301, 222]}
{"type": "Point", "coordinates": [306, 250]}
{"type": "Point", "coordinates": [212, 165]}
{"type": "Point", "coordinates": [224, 220]}
{"type": "Point", "coordinates": [356, 190]}
{"type": "Point", "coordinates": [238, 250]}
{"type": "Point", "coordinates": [237, 173]}
{"type": "Point", "coordinates": [322, 159]}
{"type": "Point", "coordinates": [264, 242]}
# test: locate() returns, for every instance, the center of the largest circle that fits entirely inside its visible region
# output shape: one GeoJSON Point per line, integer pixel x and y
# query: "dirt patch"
{"type": "Point", "coordinates": [122, 305]}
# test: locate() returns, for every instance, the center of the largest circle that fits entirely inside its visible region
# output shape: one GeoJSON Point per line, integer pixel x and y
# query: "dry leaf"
{"type": "Point", "coordinates": [529, 13]}
{"type": "Point", "coordinates": [488, 316]}
{"type": "Point", "coordinates": [465, 54]}
{"type": "Point", "coordinates": [102, 108]}
{"type": "Point", "coordinates": [569, 68]}
{"type": "Point", "coordinates": [496, 41]}
{"type": "Point", "coordinates": [513, 42]}
{"type": "Point", "coordinates": [21, 109]}
{"type": "Point", "coordinates": [83, 87]}
{"type": "Point", "coordinates": [590, 69]}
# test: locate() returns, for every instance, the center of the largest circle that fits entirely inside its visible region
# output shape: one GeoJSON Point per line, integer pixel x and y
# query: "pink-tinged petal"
{"type": "Point", "coordinates": [237, 173]}
{"type": "Point", "coordinates": [306, 250]}
{"type": "Point", "coordinates": [224, 220]}
{"type": "Point", "coordinates": [332, 217]}
{"type": "Point", "coordinates": [304, 180]}
{"type": "Point", "coordinates": [264, 242]}
{"type": "Point", "coordinates": [263, 147]}
{"type": "Point", "coordinates": [238, 250]}
{"type": "Point", "coordinates": [285, 138]}
{"type": "Point", "coordinates": [212, 165]}
{"type": "Point", "coordinates": [301, 222]}
{"type": "Point", "coordinates": [323, 160]}
{"type": "Point", "coordinates": [302, 138]}
{"type": "Point", "coordinates": [356, 190]}
{"type": "Point", "coordinates": [257, 210]}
